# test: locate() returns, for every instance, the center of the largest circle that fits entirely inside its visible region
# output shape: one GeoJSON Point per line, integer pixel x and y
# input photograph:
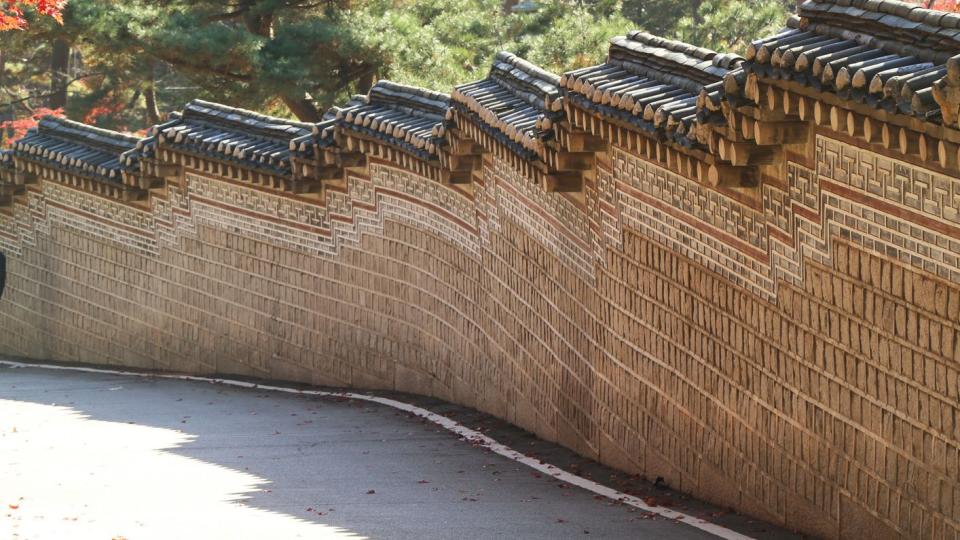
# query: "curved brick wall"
{"type": "Point", "coordinates": [763, 357]}
{"type": "Point", "coordinates": [741, 275]}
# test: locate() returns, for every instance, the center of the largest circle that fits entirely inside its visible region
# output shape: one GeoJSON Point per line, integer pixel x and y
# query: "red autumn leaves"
{"type": "Point", "coordinates": [12, 130]}
{"type": "Point", "coordinates": [12, 12]}
{"type": "Point", "coordinates": [943, 5]}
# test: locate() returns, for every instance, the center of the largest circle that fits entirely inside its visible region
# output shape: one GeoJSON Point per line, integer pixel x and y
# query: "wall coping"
{"type": "Point", "coordinates": [884, 72]}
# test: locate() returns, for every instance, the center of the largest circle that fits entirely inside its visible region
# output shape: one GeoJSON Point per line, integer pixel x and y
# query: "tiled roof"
{"type": "Point", "coordinates": [77, 148]}
{"type": "Point", "coordinates": [237, 136]}
{"type": "Point", "coordinates": [515, 103]}
{"type": "Point", "coordinates": [651, 83]}
{"type": "Point", "coordinates": [322, 135]}
{"type": "Point", "coordinates": [405, 117]}
{"type": "Point", "coordinates": [890, 25]}
{"type": "Point", "coordinates": [886, 54]}
{"type": "Point", "coordinates": [698, 109]}
{"type": "Point", "coordinates": [6, 159]}
{"type": "Point", "coordinates": [147, 146]}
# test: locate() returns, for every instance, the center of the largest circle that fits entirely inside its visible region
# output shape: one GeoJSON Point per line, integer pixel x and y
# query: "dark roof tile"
{"type": "Point", "coordinates": [235, 135]}
{"type": "Point", "coordinates": [405, 117]}
{"type": "Point", "coordinates": [651, 83]}
{"type": "Point", "coordinates": [886, 54]}
{"type": "Point", "coordinates": [516, 104]}
{"type": "Point", "coordinates": [77, 148]}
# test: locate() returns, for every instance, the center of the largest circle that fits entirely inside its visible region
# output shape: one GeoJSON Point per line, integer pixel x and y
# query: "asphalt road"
{"type": "Point", "coordinates": [118, 456]}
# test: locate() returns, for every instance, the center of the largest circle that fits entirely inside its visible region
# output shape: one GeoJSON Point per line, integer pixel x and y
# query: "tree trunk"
{"type": "Point", "coordinates": [260, 24]}
{"type": "Point", "coordinates": [6, 113]}
{"type": "Point", "coordinates": [153, 111]}
{"type": "Point", "coordinates": [303, 108]}
{"type": "Point", "coordinates": [366, 82]}
{"type": "Point", "coordinates": [59, 75]}
{"type": "Point", "coordinates": [150, 98]}
{"type": "Point", "coordinates": [697, 10]}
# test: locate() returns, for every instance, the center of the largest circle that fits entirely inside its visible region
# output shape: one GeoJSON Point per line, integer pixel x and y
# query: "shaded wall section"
{"type": "Point", "coordinates": [795, 359]}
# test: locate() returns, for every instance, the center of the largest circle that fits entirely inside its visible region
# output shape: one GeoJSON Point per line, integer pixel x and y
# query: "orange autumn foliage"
{"type": "Point", "coordinates": [12, 12]}
{"type": "Point", "coordinates": [12, 130]}
{"type": "Point", "coordinates": [940, 5]}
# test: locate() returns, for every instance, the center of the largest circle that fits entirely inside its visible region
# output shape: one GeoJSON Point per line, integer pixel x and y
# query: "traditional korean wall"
{"type": "Point", "coordinates": [795, 359]}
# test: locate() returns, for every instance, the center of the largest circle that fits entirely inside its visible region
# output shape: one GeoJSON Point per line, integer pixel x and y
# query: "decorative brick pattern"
{"type": "Point", "coordinates": [873, 201]}
{"type": "Point", "coordinates": [697, 221]}
{"type": "Point", "coordinates": [95, 215]}
{"type": "Point", "coordinates": [909, 213]}
{"type": "Point", "coordinates": [799, 361]}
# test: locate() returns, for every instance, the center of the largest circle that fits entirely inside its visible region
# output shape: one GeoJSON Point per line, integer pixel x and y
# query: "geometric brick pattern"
{"type": "Point", "coordinates": [873, 201]}
{"type": "Point", "coordinates": [799, 361]}
{"type": "Point", "coordinates": [697, 221]}
{"type": "Point", "coordinates": [910, 213]}
{"type": "Point", "coordinates": [884, 205]}
{"type": "Point", "coordinates": [97, 216]}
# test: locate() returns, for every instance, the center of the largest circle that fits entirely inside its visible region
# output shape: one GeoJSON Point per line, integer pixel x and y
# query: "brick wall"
{"type": "Point", "coordinates": [796, 359]}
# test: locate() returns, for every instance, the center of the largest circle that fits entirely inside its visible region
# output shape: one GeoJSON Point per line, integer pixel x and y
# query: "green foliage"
{"type": "Point", "coordinates": [575, 38]}
{"type": "Point", "coordinates": [729, 25]}
{"type": "Point", "coordinates": [269, 55]}
{"type": "Point", "coordinates": [443, 43]}
{"type": "Point", "coordinates": [413, 50]}
{"type": "Point", "coordinates": [723, 25]}
{"type": "Point", "coordinates": [659, 17]}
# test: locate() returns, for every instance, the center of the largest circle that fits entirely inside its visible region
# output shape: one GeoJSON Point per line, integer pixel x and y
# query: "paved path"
{"type": "Point", "coordinates": [117, 456]}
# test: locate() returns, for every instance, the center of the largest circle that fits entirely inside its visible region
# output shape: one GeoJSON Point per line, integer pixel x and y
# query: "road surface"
{"type": "Point", "coordinates": [117, 456]}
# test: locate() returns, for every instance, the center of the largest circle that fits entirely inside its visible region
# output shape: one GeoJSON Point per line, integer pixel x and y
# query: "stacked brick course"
{"type": "Point", "coordinates": [790, 348]}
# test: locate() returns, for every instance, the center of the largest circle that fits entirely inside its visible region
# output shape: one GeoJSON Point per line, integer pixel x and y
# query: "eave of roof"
{"type": "Point", "coordinates": [405, 117]}
{"type": "Point", "coordinates": [515, 104]}
{"type": "Point", "coordinates": [77, 148]}
{"type": "Point", "coordinates": [886, 54]}
{"type": "Point", "coordinates": [237, 136]}
{"type": "Point", "coordinates": [651, 84]}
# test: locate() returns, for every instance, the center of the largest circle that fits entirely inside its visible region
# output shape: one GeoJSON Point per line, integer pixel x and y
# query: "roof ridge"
{"type": "Point", "coordinates": [386, 92]}
{"type": "Point", "coordinates": [889, 25]}
{"type": "Point", "coordinates": [243, 119]}
{"type": "Point", "coordinates": [652, 40]}
{"type": "Point", "coordinates": [79, 132]}
{"type": "Point", "coordinates": [899, 8]}
{"type": "Point", "coordinates": [670, 61]}
{"type": "Point", "coordinates": [527, 67]}
{"type": "Point", "coordinates": [530, 88]}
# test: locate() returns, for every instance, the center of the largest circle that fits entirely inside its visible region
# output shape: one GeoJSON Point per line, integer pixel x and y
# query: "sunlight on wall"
{"type": "Point", "coordinates": [63, 475]}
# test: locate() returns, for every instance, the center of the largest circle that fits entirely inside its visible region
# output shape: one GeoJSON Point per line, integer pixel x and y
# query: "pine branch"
{"type": "Point", "coordinates": [45, 95]}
